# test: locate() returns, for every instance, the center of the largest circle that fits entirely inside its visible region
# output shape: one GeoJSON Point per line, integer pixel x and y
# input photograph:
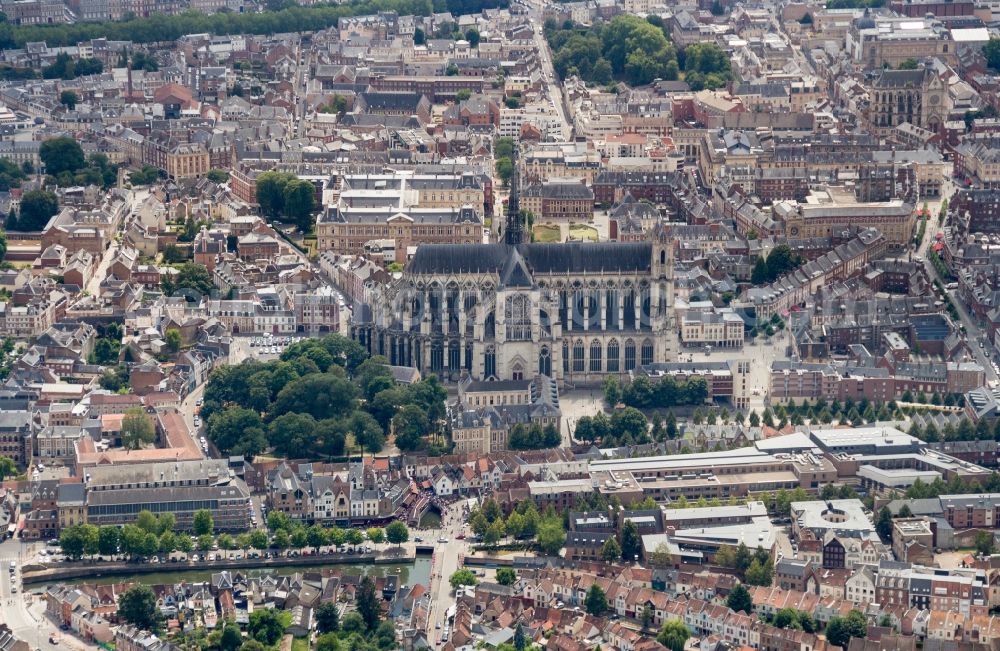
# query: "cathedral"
{"type": "Point", "coordinates": [576, 312]}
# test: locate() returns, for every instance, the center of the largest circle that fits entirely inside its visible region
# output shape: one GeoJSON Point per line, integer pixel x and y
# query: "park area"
{"type": "Point", "coordinates": [582, 232]}
{"type": "Point", "coordinates": [546, 233]}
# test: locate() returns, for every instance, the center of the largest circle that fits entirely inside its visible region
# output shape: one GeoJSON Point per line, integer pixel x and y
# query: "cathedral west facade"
{"type": "Point", "coordinates": [577, 312]}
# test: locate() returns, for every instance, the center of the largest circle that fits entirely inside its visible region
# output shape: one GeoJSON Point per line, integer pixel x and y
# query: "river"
{"type": "Point", "coordinates": [418, 571]}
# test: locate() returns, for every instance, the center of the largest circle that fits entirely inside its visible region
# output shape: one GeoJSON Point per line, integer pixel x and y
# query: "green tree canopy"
{"type": "Point", "coordinates": [137, 429]}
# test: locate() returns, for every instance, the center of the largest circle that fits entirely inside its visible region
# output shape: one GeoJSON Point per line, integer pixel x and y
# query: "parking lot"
{"type": "Point", "coordinates": [268, 346]}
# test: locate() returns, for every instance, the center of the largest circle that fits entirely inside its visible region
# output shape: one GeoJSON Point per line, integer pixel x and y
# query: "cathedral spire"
{"type": "Point", "coordinates": [513, 229]}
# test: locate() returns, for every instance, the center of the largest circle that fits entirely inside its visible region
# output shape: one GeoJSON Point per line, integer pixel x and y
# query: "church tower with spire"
{"type": "Point", "coordinates": [514, 228]}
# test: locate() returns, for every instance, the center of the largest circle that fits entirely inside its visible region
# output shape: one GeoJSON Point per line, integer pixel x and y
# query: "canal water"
{"type": "Point", "coordinates": [418, 571]}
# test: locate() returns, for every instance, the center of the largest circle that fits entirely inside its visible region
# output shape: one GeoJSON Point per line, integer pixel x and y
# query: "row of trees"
{"type": "Point", "coordinates": [644, 393]}
{"type": "Point", "coordinates": [524, 522]}
{"type": "Point", "coordinates": [150, 535]}
{"type": "Point", "coordinates": [160, 28]}
{"type": "Point", "coordinates": [321, 393]}
{"type": "Point", "coordinates": [66, 67]}
{"type": "Point", "coordinates": [625, 427]}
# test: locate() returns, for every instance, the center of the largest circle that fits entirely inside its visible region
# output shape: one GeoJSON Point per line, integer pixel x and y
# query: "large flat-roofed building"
{"type": "Point", "coordinates": [885, 457]}
{"type": "Point", "coordinates": [825, 213]}
{"type": "Point", "coordinates": [721, 474]}
{"type": "Point", "coordinates": [117, 494]}
{"type": "Point", "coordinates": [694, 536]}
{"type": "Point", "coordinates": [841, 517]}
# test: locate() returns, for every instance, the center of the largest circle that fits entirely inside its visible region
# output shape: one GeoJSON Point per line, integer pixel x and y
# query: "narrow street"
{"type": "Point", "coordinates": [536, 8]}
{"type": "Point", "coordinates": [973, 333]}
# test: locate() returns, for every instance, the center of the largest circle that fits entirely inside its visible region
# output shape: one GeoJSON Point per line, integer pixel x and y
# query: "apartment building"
{"type": "Point", "coordinates": [721, 328]}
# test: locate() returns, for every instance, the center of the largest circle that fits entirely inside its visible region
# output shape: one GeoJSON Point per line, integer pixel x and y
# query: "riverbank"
{"type": "Point", "coordinates": [66, 571]}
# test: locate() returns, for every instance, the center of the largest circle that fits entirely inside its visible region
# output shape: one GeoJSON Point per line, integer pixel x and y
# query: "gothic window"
{"type": "Point", "coordinates": [437, 357]}
{"type": "Point", "coordinates": [595, 356]}
{"type": "Point", "coordinates": [490, 362]}
{"type": "Point", "coordinates": [491, 326]}
{"type": "Point", "coordinates": [545, 361]}
{"type": "Point", "coordinates": [517, 314]}
{"type": "Point", "coordinates": [629, 355]}
{"type": "Point", "coordinates": [611, 309]}
{"type": "Point", "coordinates": [663, 257]}
{"type": "Point", "coordinates": [468, 357]}
{"type": "Point", "coordinates": [517, 373]}
{"type": "Point", "coordinates": [613, 356]}
{"type": "Point", "coordinates": [578, 356]}
{"type": "Point", "coordinates": [454, 356]}
{"type": "Point", "coordinates": [647, 352]}
{"type": "Point", "coordinates": [565, 357]}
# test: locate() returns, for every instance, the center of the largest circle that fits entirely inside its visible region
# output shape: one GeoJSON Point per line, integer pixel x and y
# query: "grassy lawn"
{"type": "Point", "coordinates": [300, 644]}
{"type": "Point", "coordinates": [582, 232]}
{"type": "Point", "coordinates": [546, 233]}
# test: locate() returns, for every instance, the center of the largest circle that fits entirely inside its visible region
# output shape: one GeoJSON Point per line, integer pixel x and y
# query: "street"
{"type": "Point", "coordinates": [25, 613]}
{"type": "Point", "coordinates": [973, 333]}
{"type": "Point", "coordinates": [447, 560]}
{"type": "Point", "coordinates": [548, 71]}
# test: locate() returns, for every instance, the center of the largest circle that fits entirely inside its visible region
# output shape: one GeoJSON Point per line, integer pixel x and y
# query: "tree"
{"type": "Point", "coordinates": [410, 426]}
{"type": "Point", "coordinates": [137, 606]}
{"type": "Point", "coordinates": [397, 533]}
{"type": "Point", "coordinates": [807, 19]}
{"type": "Point", "coordinates": [237, 431]}
{"type": "Point", "coordinates": [7, 467]}
{"type": "Point", "coordinates": [596, 602]}
{"type": "Point", "coordinates": [327, 617]}
{"type": "Point", "coordinates": [905, 512]}
{"type": "Point", "coordinates": [760, 573]}
{"type": "Point", "coordinates": [505, 170]}
{"type": "Point", "coordinates": [992, 53]}
{"type": "Point", "coordinates": [369, 604]}
{"type": "Point", "coordinates": [72, 543]}
{"type": "Point", "coordinates": [137, 429]}
{"type": "Point", "coordinates": [375, 535]}
{"type": "Point", "coordinates": [299, 203]}
{"type": "Point", "coordinates": [191, 279]}
{"type": "Point", "coordinates": [352, 623]}
{"type": "Point", "coordinates": [602, 72]}
{"type": "Point", "coordinates": [107, 540]}
{"type": "Point", "coordinates": [173, 339]}
{"type": "Point", "coordinates": [739, 599]}
{"type": "Point", "coordinates": [62, 154]}
{"type": "Point", "coordinates": [217, 175]}
{"type": "Point", "coordinates": [231, 638]}
{"type": "Point", "coordinates": [840, 630]}
{"type": "Point", "coordinates": [611, 552]}
{"type": "Point", "coordinates": [520, 639]}
{"type": "Point", "coordinates": [883, 526]}
{"type": "Point", "coordinates": [673, 635]}
{"type": "Point", "coordinates": [203, 524]}
{"type": "Point", "coordinates": [506, 576]}
{"type": "Point", "coordinates": [984, 542]}
{"type": "Point", "coordinates": [551, 537]}
{"type": "Point", "coordinates": [495, 532]}
{"type": "Point", "coordinates": [267, 625]}
{"type": "Point", "coordinates": [418, 37]}
{"type": "Point", "coordinates": [37, 207]}
{"type": "Point", "coordinates": [472, 36]}
{"type": "Point", "coordinates": [69, 99]}
{"type": "Point", "coordinates": [463, 94]}
{"type": "Point", "coordinates": [462, 577]}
